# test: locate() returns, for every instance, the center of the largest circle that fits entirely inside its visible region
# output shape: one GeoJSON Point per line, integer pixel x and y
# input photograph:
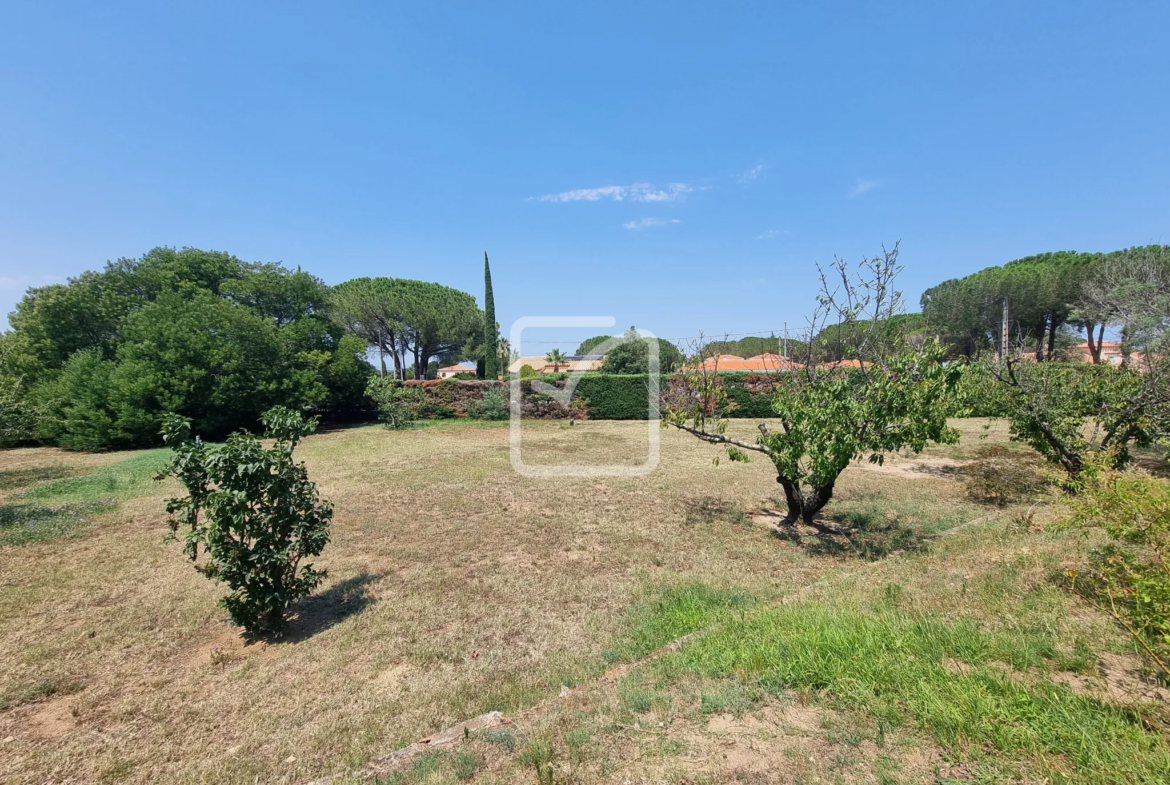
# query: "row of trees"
{"type": "Point", "coordinates": [1052, 299]}
{"type": "Point", "coordinates": [101, 360]}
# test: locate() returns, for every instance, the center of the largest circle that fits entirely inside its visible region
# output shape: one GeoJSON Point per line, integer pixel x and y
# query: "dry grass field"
{"type": "Point", "coordinates": [457, 587]}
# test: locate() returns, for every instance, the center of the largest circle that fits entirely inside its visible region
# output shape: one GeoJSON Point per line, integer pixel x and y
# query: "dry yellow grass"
{"type": "Point", "coordinates": [456, 586]}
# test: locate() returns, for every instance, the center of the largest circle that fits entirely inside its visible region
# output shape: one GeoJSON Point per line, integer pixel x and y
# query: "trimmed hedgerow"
{"type": "Point", "coordinates": [748, 402]}
{"type": "Point", "coordinates": [614, 396]}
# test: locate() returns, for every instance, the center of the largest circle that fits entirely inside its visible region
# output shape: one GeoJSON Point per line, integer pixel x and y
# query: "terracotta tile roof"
{"type": "Point", "coordinates": [761, 363]}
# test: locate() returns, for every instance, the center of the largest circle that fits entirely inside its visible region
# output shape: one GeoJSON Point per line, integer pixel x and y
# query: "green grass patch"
{"type": "Point", "coordinates": [37, 691]}
{"type": "Point", "coordinates": [894, 666]}
{"type": "Point", "coordinates": [131, 477]}
{"type": "Point", "coordinates": [15, 479]}
{"type": "Point", "coordinates": [24, 523]}
{"type": "Point", "coordinates": [674, 611]}
{"type": "Point", "coordinates": [63, 506]}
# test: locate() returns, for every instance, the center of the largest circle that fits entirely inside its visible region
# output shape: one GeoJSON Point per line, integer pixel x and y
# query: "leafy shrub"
{"type": "Point", "coordinates": [1000, 476]}
{"type": "Point", "coordinates": [492, 406]}
{"type": "Point", "coordinates": [1129, 577]}
{"type": "Point", "coordinates": [254, 512]}
{"type": "Point", "coordinates": [398, 406]}
{"type": "Point", "coordinates": [527, 371]}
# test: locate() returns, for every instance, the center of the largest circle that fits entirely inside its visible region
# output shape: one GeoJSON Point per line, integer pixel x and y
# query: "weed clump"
{"type": "Point", "coordinates": [1001, 477]}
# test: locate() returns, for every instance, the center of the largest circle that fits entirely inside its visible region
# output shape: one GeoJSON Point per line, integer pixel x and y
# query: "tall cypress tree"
{"type": "Point", "coordinates": [491, 331]}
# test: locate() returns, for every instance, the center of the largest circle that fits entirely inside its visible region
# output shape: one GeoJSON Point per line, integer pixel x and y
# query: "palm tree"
{"type": "Point", "coordinates": [557, 358]}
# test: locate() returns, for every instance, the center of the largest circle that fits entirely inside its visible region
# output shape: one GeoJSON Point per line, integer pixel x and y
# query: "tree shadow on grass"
{"type": "Point", "coordinates": [859, 535]}
{"type": "Point", "coordinates": [318, 612]}
{"type": "Point", "coordinates": [15, 479]}
{"type": "Point", "coordinates": [24, 523]}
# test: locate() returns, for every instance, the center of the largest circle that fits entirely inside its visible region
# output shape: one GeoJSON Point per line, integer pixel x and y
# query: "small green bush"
{"type": "Point", "coordinates": [254, 512]}
{"type": "Point", "coordinates": [398, 406]}
{"type": "Point", "coordinates": [492, 406]}
{"type": "Point", "coordinates": [1129, 577]}
{"type": "Point", "coordinates": [527, 371]}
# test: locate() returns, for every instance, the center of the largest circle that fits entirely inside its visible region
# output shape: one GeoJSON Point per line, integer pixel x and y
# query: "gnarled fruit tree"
{"type": "Point", "coordinates": [889, 392]}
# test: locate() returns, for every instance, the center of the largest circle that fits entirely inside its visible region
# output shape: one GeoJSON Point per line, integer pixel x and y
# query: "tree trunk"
{"type": "Point", "coordinates": [1094, 348]}
{"type": "Point", "coordinates": [804, 505]}
{"type": "Point", "coordinates": [1052, 325]}
{"type": "Point", "coordinates": [392, 347]}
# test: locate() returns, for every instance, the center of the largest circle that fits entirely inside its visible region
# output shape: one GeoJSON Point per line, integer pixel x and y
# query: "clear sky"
{"type": "Point", "coordinates": [679, 166]}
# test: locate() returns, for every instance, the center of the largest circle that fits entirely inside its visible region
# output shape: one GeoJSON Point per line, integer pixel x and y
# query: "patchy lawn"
{"type": "Point", "coordinates": [457, 587]}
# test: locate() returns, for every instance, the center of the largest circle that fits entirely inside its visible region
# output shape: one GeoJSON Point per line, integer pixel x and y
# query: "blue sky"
{"type": "Point", "coordinates": [679, 166]}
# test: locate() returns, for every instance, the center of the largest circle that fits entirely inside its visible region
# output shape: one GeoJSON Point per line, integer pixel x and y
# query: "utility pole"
{"type": "Point", "coordinates": [785, 352]}
{"type": "Point", "coordinates": [1005, 332]}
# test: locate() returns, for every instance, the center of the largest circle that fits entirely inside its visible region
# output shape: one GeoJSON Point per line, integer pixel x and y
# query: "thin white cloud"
{"type": "Point", "coordinates": [768, 235]}
{"type": "Point", "coordinates": [638, 192]}
{"type": "Point", "coordinates": [647, 223]}
{"type": "Point", "coordinates": [751, 174]}
{"type": "Point", "coordinates": [862, 186]}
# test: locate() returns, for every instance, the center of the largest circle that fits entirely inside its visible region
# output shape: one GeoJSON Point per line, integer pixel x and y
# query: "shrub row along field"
{"type": "Point", "coordinates": [934, 642]}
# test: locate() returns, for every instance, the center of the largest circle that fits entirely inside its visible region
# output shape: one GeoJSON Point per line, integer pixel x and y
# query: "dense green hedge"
{"type": "Point", "coordinates": [752, 404]}
{"type": "Point", "coordinates": [614, 397]}
{"type": "Point", "coordinates": [626, 396]}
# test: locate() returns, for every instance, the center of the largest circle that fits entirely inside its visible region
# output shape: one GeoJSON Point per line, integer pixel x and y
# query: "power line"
{"type": "Point", "coordinates": [710, 337]}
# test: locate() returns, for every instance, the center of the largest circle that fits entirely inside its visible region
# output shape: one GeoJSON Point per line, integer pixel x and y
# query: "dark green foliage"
{"type": "Point", "coordinates": [632, 356]}
{"type": "Point", "coordinates": [200, 333]}
{"type": "Point", "coordinates": [215, 363]}
{"type": "Point", "coordinates": [254, 512]}
{"type": "Point", "coordinates": [589, 344]}
{"type": "Point", "coordinates": [1048, 293]}
{"type": "Point", "coordinates": [409, 321]}
{"type": "Point", "coordinates": [615, 397]}
{"type": "Point", "coordinates": [491, 330]}
{"type": "Point", "coordinates": [80, 414]}
{"type": "Point", "coordinates": [744, 402]}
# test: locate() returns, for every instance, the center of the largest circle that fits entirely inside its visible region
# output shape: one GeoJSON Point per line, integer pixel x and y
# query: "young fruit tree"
{"type": "Point", "coordinates": [1070, 414]}
{"type": "Point", "coordinates": [254, 512]}
{"type": "Point", "coordinates": [1085, 416]}
{"type": "Point", "coordinates": [887, 395]}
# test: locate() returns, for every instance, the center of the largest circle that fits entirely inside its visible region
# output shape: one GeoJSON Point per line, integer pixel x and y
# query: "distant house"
{"type": "Point", "coordinates": [577, 363]}
{"type": "Point", "coordinates": [731, 363]}
{"type": "Point", "coordinates": [451, 370]}
{"type": "Point", "coordinates": [1110, 353]}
